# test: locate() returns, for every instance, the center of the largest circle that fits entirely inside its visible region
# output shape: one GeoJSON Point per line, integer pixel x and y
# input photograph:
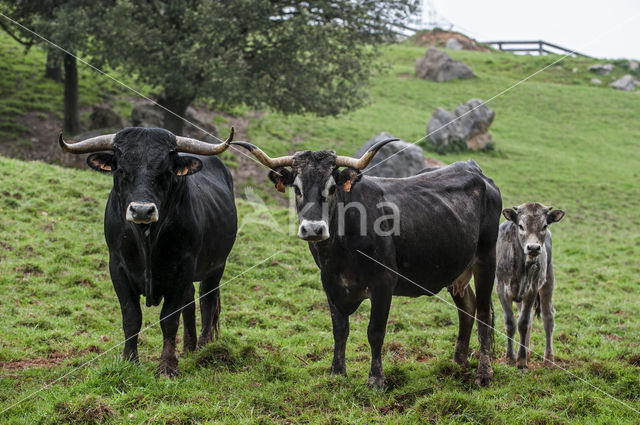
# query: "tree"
{"type": "Point", "coordinates": [68, 23]}
{"type": "Point", "coordinates": [293, 56]}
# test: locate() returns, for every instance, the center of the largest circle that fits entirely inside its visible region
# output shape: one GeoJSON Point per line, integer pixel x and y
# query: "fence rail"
{"type": "Point", "coordinates": [540, 46]}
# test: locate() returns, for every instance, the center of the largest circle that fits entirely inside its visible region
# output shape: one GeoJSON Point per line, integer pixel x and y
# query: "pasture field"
{"type": "Point", "coordinates": [558, 141]}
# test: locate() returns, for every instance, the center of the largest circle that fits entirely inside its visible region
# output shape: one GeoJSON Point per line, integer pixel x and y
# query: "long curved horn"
{"type": "Point", "coordinates": [281, 161]}
{"type": "Point", "coordinates": [94, 144]}
{"type": "Point", "coordinates": [195, 146]}
{"type": "Point", "coordinates": [361, 163]}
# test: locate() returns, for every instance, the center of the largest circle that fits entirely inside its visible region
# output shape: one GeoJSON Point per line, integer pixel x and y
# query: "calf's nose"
{"type": "Point", "coordinates": [533, 248]}
{"type": "Point", "coordinates": [142, 212]}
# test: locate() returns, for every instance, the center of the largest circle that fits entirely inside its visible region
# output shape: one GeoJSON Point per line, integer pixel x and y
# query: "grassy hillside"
{"type": "Point", "coordinates": [559, 141]}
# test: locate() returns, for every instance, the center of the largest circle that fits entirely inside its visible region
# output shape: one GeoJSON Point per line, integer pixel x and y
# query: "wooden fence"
{"type": "Point", "coordinates": [539, 46]}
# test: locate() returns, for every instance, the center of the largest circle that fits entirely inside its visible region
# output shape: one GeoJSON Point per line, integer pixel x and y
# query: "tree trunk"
{"type": "Point", "coordinates": [71, 113]}
{"type": "Point", "coordinates": [53, 69]}
{"type": "Point", "coordinates": [177, 104]}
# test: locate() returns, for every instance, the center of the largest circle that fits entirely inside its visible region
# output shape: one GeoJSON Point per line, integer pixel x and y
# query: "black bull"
{"type": "Point", "coordinates": [170, 220]}
{"type": "Point", "coordinates": [448, 227]}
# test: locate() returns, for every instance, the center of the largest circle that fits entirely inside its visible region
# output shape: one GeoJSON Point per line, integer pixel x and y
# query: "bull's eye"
{"type": "Point", "coordinates": [544, 227]}
{"type": "Point", "coordinates": [332, 190]}
{"type": "Point", "coordinates": [296, 190]}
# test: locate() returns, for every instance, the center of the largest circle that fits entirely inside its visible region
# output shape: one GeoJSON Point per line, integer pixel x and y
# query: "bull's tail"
{"type": "Point", "coordinates": [216, 313]}
{"type": "Point", "coordinates": [492, 335]}
{"type": "Point", "coordinates": [536, 305]}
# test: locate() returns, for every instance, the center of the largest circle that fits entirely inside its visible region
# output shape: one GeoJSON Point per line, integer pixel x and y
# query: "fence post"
{"type": "Point", "coordinates": [540, 48]}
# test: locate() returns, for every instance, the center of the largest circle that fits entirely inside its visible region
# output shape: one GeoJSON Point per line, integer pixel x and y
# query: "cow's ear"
{"type": "Point", "coordinates": [101, 161]}
{"type": "Point", "coordinates": [510, 214]}
{"type": "Point", "coordinates": [554, 216]}
{"type": "Point", "coordinates": [347, 178]}
{"type": "Point", "coordinates": [186, 165]}
{"type": "Point", "coordinates": [281, 177]}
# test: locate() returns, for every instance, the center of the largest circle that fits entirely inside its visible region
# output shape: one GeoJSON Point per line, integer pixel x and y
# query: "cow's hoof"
{"type": "Point", "coordinates": [484, 375]}
{"type": "Point", "coordinates": [188, 348]}
{"type": "Point", "coordinates": [511, 361]}
{"type": "Point", "coordinates": [461, 360]}
{"type": "Point", "coordinates": [485, 380]}
{"type": "Point", "coordinates": [549, 361]}
{"type": "Point", "coordinates": [338, 371]}
{"type": "Point", "coordinates": [376, 381]}
{"type": "Point", "coordinates": [203, 341]}
{"type": "Point", "coordinates": [168, 368]}
{"type": "Point", "coordinates": [522, 364]}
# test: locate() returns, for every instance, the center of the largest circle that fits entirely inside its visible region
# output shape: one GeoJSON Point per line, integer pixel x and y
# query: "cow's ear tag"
{"type": "Point", "coordinates": [183, 171]}
{"type": "Point", "coordinates": [346, 186]}
{"type": "Point", "coordinates": [280, 185]}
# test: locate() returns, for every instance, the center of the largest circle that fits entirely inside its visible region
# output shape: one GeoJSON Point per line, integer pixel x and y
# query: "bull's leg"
{"type": "Point", "coordinates": [509, 322]}
{"type": "Point", "coordinates": [380, 305]}
{"type": "Point", "coordinates": [340, 322]}
{"type": "Point", "coordinates": [169, 322]}
{"type": "Point", "coordinates": [483, 275]}
{"type": "Point", "coordinates": [548, 313]}
{"type": "Point", "coordinates": [189, 319]}
{"type": "Point", "coordinates": [210, 307]}
{"type": "Point", "coordinates": [131, 312]}
{"type": "Point", "coordinates": [524, 328]}
{"type": "Point", "coordinates": [465, 301]}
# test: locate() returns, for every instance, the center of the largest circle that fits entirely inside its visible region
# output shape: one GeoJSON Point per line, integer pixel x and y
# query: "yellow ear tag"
{"type": "Point", "coordinates": [105, 167]}
{"type": "Point", "coordinates": [183, 171]}
{"type": "Point", "coordinates": [280, 186]}
{"type": "Point", "coordinates": [346, 186]}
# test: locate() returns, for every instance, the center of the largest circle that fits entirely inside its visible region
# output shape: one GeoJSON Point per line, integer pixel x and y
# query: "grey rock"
{"type": "Point", "coordinates": [104, 117]}
{"type": "Point", "coordinates": [626, 83]}
{"type": "Point", "coordinates": [603, 69]}
{"type": "Point", "coordinates": [438, 66]}
{"type": "Point", "coordinates": [469, 124]}
{"type": "Point", "coordinates": [404, 159]}
{"type": "Point", "coordinates": [596, 81]}
{"type": "Point", "coordinates": [148, 115]}
{"type": "Point", "coordinates": [633, 65]}
{"type": "Point", "coordinates": [453, 44]}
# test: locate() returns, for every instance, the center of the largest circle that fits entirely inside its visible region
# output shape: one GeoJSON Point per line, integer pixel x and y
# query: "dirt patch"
{"type": "Point", "coordinates": [438, 38]}
{"type": "Point", "coordinates": [53, 359]}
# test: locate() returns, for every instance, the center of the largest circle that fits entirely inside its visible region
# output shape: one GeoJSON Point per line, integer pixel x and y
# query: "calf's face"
{"type": "Point", "coordinates": [532, 221]}
{"type": "Point", "coordinates": [146, 167]}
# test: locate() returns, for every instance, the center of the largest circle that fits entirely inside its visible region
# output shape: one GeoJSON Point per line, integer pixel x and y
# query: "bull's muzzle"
{"type": "Point", "coordinates": [313, 231]}
{"type": "Point", "coordinates": [142, 212]}
{"type": "Point", "coordinates": [532, 249]}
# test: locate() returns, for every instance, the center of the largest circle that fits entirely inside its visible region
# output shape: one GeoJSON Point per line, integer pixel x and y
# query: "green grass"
{"type": "Point", "coordinates": [558, 140]}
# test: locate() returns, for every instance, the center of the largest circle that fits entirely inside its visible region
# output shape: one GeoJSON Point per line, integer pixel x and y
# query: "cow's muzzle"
{"type": "Point", "coordinates": [532, 249]}
{"type": "Point", "coordinates": [313, 231]}
{"type": "Point", "coordinates": [142, 212]}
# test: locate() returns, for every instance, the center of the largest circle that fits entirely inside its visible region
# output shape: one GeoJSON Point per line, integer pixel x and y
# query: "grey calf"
{"type": "Point", "coordinates": [524, 270]}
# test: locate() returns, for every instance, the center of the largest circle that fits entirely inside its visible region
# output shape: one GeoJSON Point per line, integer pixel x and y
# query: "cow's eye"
{"type": "Point", "coordinates": [296, 190]}
{"type": "Point", "coordinates": [332, 190]}
{"type": "Point", "coordinates": [521, 227]}
{"type": "Point", "coordinates": [544, 227]}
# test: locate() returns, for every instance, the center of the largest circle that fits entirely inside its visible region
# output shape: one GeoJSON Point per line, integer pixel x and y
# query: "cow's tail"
{"type": "Point", "coordinates": [216, 313]}
{"type": "Point", "coordinates": [536, 305]}
{"type": "Point", "coordinates": [492, 335]}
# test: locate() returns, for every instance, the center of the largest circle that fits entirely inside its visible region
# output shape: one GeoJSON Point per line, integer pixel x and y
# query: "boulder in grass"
{"type": "Point", "coordinates": [395, 159]}
{"type": "Point", "coordinates": [603, 69]}
{"type": "Point", "coordinates": [466, 128]}
{"type": "Point", "coordinates": [626, 83]}
{"type": "Point", "coordinates": [453, 44]}
{"type": "Point", "coordinates": [438, 66]}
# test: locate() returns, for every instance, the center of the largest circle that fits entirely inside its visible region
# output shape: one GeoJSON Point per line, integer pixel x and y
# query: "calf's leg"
{"type": "Point", "coordinates": [509, 322]}
{"type": "Point", "coordinates": [548, 313]}
{"type": "Point", "coordinates": [524, 328]}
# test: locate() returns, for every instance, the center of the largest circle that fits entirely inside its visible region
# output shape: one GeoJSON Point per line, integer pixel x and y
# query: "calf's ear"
{"type": "Point", "coordinates": [345, 179]}
{"type": "Point", "coordinates": [103, 162]}
{"type": "Point", "coordinates": [554, 216]}
{"type": "Point", "coordinates": [510, 214]}
{"type": "Point", "coordinates": [186, 165]}
{"type": "Point", "coordinates": [281, 177]}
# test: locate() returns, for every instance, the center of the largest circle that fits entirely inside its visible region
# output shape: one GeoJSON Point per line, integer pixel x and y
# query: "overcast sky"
{"type": "Point", "coordinates": [607, 29]}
